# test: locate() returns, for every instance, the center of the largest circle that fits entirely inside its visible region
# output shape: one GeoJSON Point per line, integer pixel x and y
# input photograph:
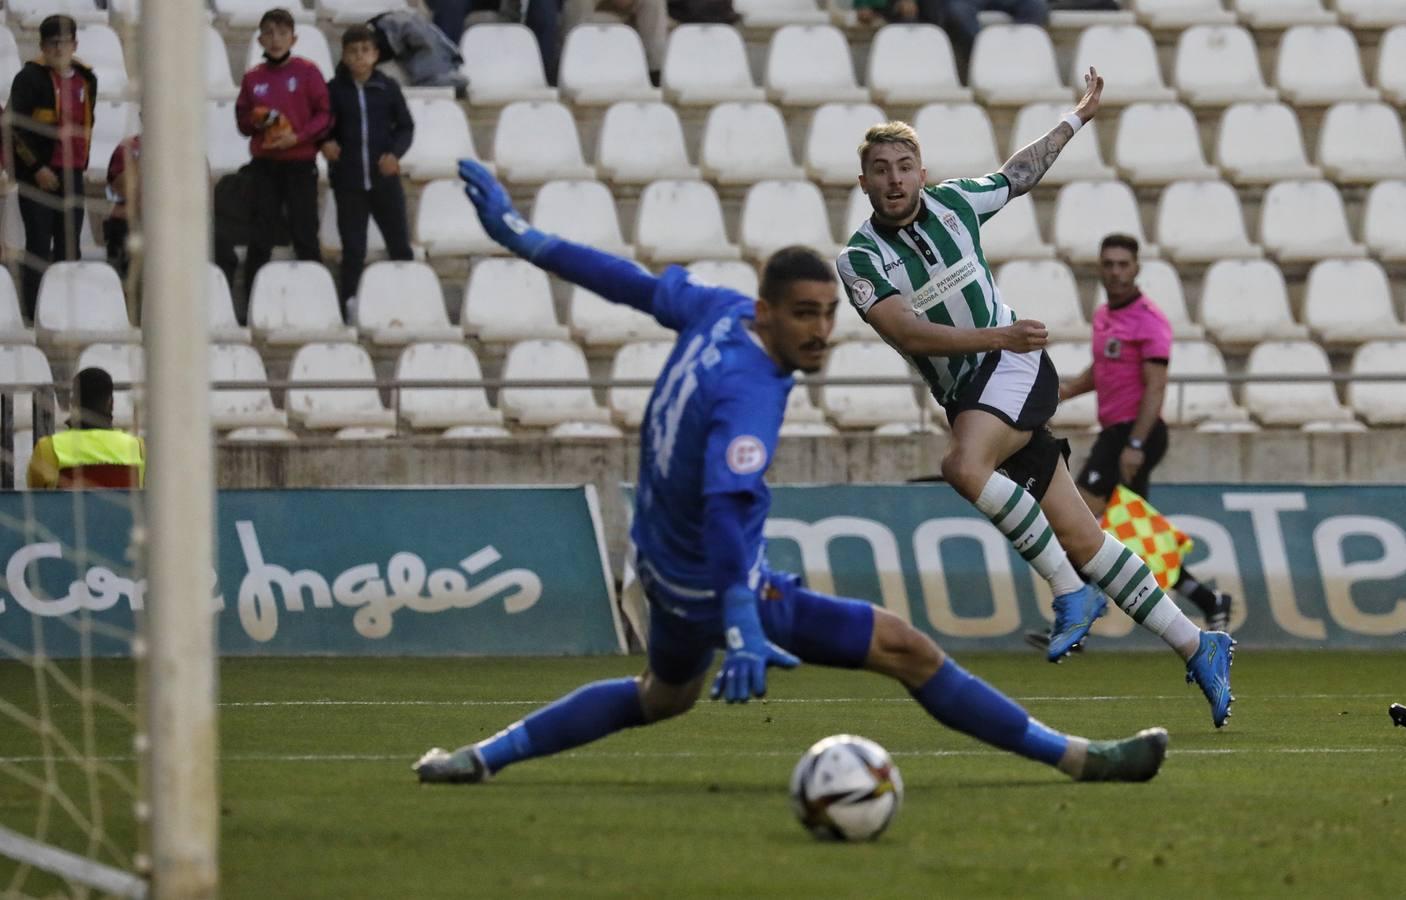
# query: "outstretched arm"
{"type": "Point", "coordinates": [1029, 164]}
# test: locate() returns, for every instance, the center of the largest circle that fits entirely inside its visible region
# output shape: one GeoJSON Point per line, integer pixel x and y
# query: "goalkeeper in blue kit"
{"type": "Point", "coordinates": [709, 433]}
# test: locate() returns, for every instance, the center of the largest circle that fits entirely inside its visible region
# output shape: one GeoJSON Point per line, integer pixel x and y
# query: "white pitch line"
{"type": "Point", "coordinates": [1081, 698]}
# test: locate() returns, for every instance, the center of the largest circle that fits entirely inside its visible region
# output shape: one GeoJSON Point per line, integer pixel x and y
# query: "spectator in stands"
{"type": "Point", "coordinates": [649, 17]}
{"type": "Point", "coordinates": [703, 11]}
{"type": "Point", "coordinates": [425, 55]}
{"type": "Point", "coordinates": [542, 16]}
{"type": "Point", "coordinates": [371, 130]}
{"type": "Point", "coordinates": [283, 106]}
{"type": "Point", "coordinates": [876, 12]}
{"type": "Point", "coordinates": [958, 17]}
{"type": "Point", "coordinates": [123, 189]}
{"type": "Point", "coordinates": [91, 454]}
{"type": "Point", "coordinates": [51, 101]}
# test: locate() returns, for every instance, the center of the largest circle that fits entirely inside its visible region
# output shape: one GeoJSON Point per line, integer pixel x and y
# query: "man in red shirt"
{"type": "Point", "coordinates": [283, 106]}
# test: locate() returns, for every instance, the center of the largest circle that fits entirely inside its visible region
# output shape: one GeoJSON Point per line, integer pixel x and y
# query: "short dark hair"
{"type": "Point", "coordinates": [277, 16]}
{"type": "Point", "coordinates": [57, 26]}
{"type": "Point", "coordinates": [1120, 241]}
{"type": "Point", "coordinates": [358, 34]}
{"type": "Point", "coordinates": [794, 263]}
{"type": "Point", "coordinates": [92, 395]}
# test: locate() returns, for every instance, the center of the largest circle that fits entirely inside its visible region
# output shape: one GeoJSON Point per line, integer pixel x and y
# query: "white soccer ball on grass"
{"type": "Point", "coordinates": [846, 788]}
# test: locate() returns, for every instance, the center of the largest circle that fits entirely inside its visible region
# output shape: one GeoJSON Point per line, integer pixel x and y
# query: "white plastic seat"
{"type": "Point", "coordinates": [294, 303]}
{"type": "Point", "coordinates": [1362, 143]}
{"type": "Point", "coordinates": [101, 50]}
{"type": "Point", "coordinates": [774, 13]}
{"type": "Point", "coordinates": [250, 407]}
{"type": "Point", "coordinates": [1260, 143]}
{"type": "Point", "coordinates": [597, 322]}
{"type": "Point", "coordinates": [736, 274]}
{"type": "Point", "coordinates": [246, 14]}
{"type": "Point", "coordinates": [82, 303]}
{"type": "Point", "coordinates": [537, 141]}
{"type": "Point", "coordinates": [913, 64]}
{"type": "Point", "coordinates": [224, 327]}
{"type": "Point", "coordinates": [858, 209]}
{"type": "Point", "coordinates": [508, 300]}
{"type": "Point", "coordinates": [329, 236]}
{"type": "Point", "coordinates": [1201, 221]}
{"type": "Point", "coordinates": [442, 138]}
{"type": "Point", "coordinates": [126, 363]}
{"type": "Point", "coordinates": [1013, 233]}
{"type": "Point", "coordinates": [12, 327]}
{"type": "Point", "coordinates": [1080, 160]}
{"type": "Point", "coordinates": [707, 64]}
{"type": "Point", "coordinates": [1379, 402]}
{"type": "Point", "coordinates": [850, 325]}
{"type": "Point", "coordinates": [1086, 211]}
{"type": "Point", "coordinates": [1292, 403]}
{"type": "Point", "coordinates": [225, 148]}
{"type": "Point", "coordinates": [1069, 360]}
{"type": "Point", "coordinates": [1282, 13]}
{"type": "Point", "coordinates": [218, 83]}
{"type": "Point", "coordinates": [1384, 220]}
{"type": "Point", "coordinates": [1348, 301]}
{"type": "Point", "coordinates": [580, 211]}
{"type": "Point", "coordinates": [503, 65]}
{"type": "Point", "coordinates": [548, 360]}
{"type": "Point", "coordinates": [1182, 13]}
{"type": "Point", "coordinates": [835, 131]}
{"type": "Point", "coordinates": [802, 416]}
{"type": "Point", "coordinates": [312, 45]}
{"type": "Point", "coordinates": [1371, 13]}
{"type": "Point", "coordinates": [1318, 65]}
{"type": "Point", "coordinates": [1391, 64]}
{"type": "Point", "coordinates": [439, 408]}
{"type": "Point", "coordinates": [807, 65]}
{"type": "Point", "coordinates": [113, 120]}
{"type": "Point", "coordinates": [1218, 64]}
{"type": "Point", "coordinates": [401, 303]}
{"type": "Point", "coordinates": [1044, 290]}
{"type": "Point", "coordinates": [325, 409]}
{"type": "Point", "coordinates": [868, 406]}
{"type": "Point", "coordinates": [24, 365]}
{"type": "Point", "coordinates": [640, 143]}
{"type": "Point", "coordinates": [1160, 282]}
{"type": "Point", "coordinates": [1305, 220]}
{"type": "Point", "coordinates": [10, 63]}
{"type": "Point", "coordinates": [348, 12]}
{"type": "Point", "coordinates": [603, 64]}
{"type": "Point", "coordinates": [777, 214]}
{"type": "Point", "coordinates": [957, 140]}
{"type": "Point", "coordinates": [1199, 402]}
{"type": "Point", "coordinates": [639, 361]}
{"type": "Point", "coordinates": [1159, 143]}
{"type": "Point", "coordinates": [447, 225]}
{"type": "Point", "coordinates": [1246, 301]}
{"type": "Point", "coordinates": [746, 142]}
{"type": "Point", "coordinates": [29, 13]}
{"type": "Point", "coordinates": [679, 221]}
{"type": "Point", "coordinates": [1127, 58]}
{"type": "Point", "coordinates": [998, 82]}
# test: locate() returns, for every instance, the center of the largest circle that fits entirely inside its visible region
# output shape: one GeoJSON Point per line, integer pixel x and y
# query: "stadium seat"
{"type": "Point", "coordinates": [775, 13]}
{"type": "Point", "coordinates": [246, 14]}
{"type": "Point", "coordinates": [442, 138]}
{"type": "Point", "coordinates": [1013, 233]}
{"type": "Point", "coordinates": [503, 65]}
{"type": "Point", "coordinates": [12, 327]}
{"type": "Point", "coordinates": [260, 434]}
{"type": "Point", "coordinates": [597, 322]}
{"type": "Point", "coordinates": [29, 13]}
{"type": "Point", "coordinates": [738, 275]}
{"type": "Point", "coordinates": [218, 84]}
{"type": "Point", "coordinates": [82, 303]}
{"type": "Point", "coordinates": [835, 132]}
{"type": "Point", "coordinates": [1217, 65]}
{"type": "Point", "coordinates": [401, 303]}
{"type": "Point", "coordinates": [957, 140]}
{"type": "Point", "coordinates": [508, 300]}
{"type": "Point", "coordinates": [777, 214]}
{"type": "Point", "coordinates": [1391, 64]}
{"type": "Point", "coordinates": [1361, 143]}
{"type": "Point", "coordinates": [802, 417]}
{"type": "Point", "coordinates": [1085, 211]}
{"type": "Point", "coordinates": [21, 364]}
{"type": "Point", "coordinates": [126, 363]}
{"type": "Point", "coordinates": [707, 64]}
{"type": "Point", "coordinates": [640, 143]}
{"type": "Point", "coordinates": [330, 236]}
{"type": "Point", "coordinates": [849, 324]}
{"type": "Point", "coordinates": [440, 408]}
{"type": "Point", "coordinates": [294, 303]}
{"type": "Point", "coordinates": [1365, 14]}
{"type": "Point", "coordinates": [868, 406]}
{"type": "Point", "coordinates": [679, 221]}
{"type": "Point", "coordinates": [639, 361]}
{"type": "Point", "coordinates": [604, 64]}
{"type": "Point", "coordinates": [101, 50]}
{"type": "Point", "coordinates": [250, 407]}
{"type": "Point", "coordinates": [1044, 290]}
{"type": "Point", "coordinates": [1161, 283]}
{"type": "Point", "coordinates": [324, 409]}
{"type": "Point", "coordinates": [1305, 220]}
{"type": "Point", "coordinates": [447, 225]}
{"type": "Point", "coordinates": [1201, 221]}
{"type": "Point", "coordinates": [997, 82]}
{"type": "Point", "coordinates": [857, 210]}
{"type": "Point", "coordinates": [746, 142]}
{"type": "Point", "coordinates": [1379, 402]}
{"type": "Point", "coordinates": [913, 64]}
{"type": "Point", "coordinates": [1348, 301]}
{"type": "Point", "coordinates": [10, 63]}
{"type": "Point", "coordinates": [807, 65]}
{"type": "Point", "coordinates": [1200, 402]}
{"type": "Point", "coordinates": [350, 12]}
{"type": "Point", "coordinates": [581, 211]}
{"type": "Point", "coordinates": [1292, 403]}
{"type": "Point", "coordinates": [1384, 221]}
{"type": "Point", "coordinates": [113, 120]}
{"type": "Point", "coordinates": [1127, 58]}
{"type": "Point", "coordinates": [1159, 143]}
{"type": "Point", "coordinates": [1318, 65]}
{"type": "Point", "coordinates": [1080, 160]}
{"type": "Point", "coordinates": [224, 327]}
{"type": "Point", "coordinates": [225, 148]}
{"type": "Point", "coordinates": [312, 44]}
{"type": "Point", "coordinates": [1246, 301]}
{"type": "Point", "coordinates": [1260, 143]}
{"type": "Point", "coordinates": [1177, 14]}
{"type": "Point", "coordinates": [536, 141]}
{"type": "Point", "coordinates": [548, 360]}
{"type": "Point", "coordinates": [1282, 13]}
{"type": "Point", "coordinates": [1070, 359]}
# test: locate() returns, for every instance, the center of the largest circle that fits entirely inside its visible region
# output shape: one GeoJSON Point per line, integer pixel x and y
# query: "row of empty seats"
{"type": "Point", "coordinates": [28, 14]}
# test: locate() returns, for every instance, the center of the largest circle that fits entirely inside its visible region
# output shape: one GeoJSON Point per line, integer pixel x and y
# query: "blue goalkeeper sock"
{"type": "Point", "coordinates": [586, 714]}
{"type": "Point", "coordinates": [961, 701]}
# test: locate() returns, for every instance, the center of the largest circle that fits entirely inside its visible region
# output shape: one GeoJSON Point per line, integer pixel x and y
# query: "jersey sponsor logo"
{"type": "Point", "coordinates": [947, 285]}
{"type": "Point", "coordinates": [746, 454]}
{"type": "Point", "coordinates": [862, 291]}
{"type": "Point", "coordinates": [1113, 349]}
{"type": "Point", "coordinates": [891, 265]}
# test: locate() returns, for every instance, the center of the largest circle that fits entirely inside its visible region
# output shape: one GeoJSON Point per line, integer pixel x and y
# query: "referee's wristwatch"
{"type": "Point", "coordinates": [1135, 443]}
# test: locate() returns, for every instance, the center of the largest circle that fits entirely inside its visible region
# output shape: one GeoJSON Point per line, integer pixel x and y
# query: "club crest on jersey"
{"type": "Point", "coordinates": [950, 220]}
{"type": "Point", "coordinates": [292, 83]}
{"type": "Point", "coordinates": [1113, 348]}
{"type": "Point", "coordinates": [863, 291]}
{"type": "Point", "coordinates": [260, 89]}
{"type": "Point", "coordinates": [746, 454]}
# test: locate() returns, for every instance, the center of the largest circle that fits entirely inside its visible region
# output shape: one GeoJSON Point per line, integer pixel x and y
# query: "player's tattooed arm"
{"type": "Point", "coordinates": [1025, 169]}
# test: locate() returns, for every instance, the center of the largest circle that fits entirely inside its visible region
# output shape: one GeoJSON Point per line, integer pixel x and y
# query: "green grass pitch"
{"type": "Point", "coordinates": [1304, 794]}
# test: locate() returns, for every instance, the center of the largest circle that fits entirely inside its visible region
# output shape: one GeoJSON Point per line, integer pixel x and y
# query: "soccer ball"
{"type": "Point", "coordinates": [846, 788]}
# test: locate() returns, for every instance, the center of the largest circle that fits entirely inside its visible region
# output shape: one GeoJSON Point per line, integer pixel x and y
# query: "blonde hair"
{"type": "Point", "coordinates": [894, 132]}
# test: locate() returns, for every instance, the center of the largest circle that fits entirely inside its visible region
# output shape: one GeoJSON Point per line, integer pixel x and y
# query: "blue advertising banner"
{"type": "Point", "coordinates": [433, 571]}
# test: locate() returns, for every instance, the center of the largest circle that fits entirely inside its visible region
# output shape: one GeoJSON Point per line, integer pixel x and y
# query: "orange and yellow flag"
{"type": "Point", "coordinates": [1146, 532]}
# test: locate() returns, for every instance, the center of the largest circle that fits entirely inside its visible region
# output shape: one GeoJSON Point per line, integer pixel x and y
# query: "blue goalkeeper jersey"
{"type": "Point", "coordinates": [710, 428]}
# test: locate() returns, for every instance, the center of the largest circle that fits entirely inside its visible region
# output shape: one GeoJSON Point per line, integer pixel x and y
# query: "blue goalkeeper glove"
{"type": "Point", "coordinates": [743, 675]}
{"type": "Point", "coordinates": [495, 211]}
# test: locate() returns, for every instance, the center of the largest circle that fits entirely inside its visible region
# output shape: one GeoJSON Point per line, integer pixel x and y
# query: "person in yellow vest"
{"type": "Point", "coordinates": [91, 454]}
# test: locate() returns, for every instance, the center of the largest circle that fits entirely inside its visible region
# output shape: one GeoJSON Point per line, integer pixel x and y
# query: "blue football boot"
{"type": "Point", "coordinates": [1074, 615]}
{"type": "Point", "coordinates": [1209, 667]}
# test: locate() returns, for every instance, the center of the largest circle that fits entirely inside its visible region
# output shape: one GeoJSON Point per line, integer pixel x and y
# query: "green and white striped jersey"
{"type": "Point", "coordinates": [936, 266]}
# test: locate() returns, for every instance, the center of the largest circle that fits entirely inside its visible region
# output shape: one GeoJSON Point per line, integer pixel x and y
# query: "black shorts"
{"type": "Point", "coordinates": [1100, 474]}
{"type": "Point", "coordinates": [1020, 389]}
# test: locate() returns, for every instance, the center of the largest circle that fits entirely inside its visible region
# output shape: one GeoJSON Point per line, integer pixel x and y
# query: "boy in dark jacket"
{"type": "Point", "coordinates": [371, 131]}
{"type": "Point", "coordinates": [51, 105]}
